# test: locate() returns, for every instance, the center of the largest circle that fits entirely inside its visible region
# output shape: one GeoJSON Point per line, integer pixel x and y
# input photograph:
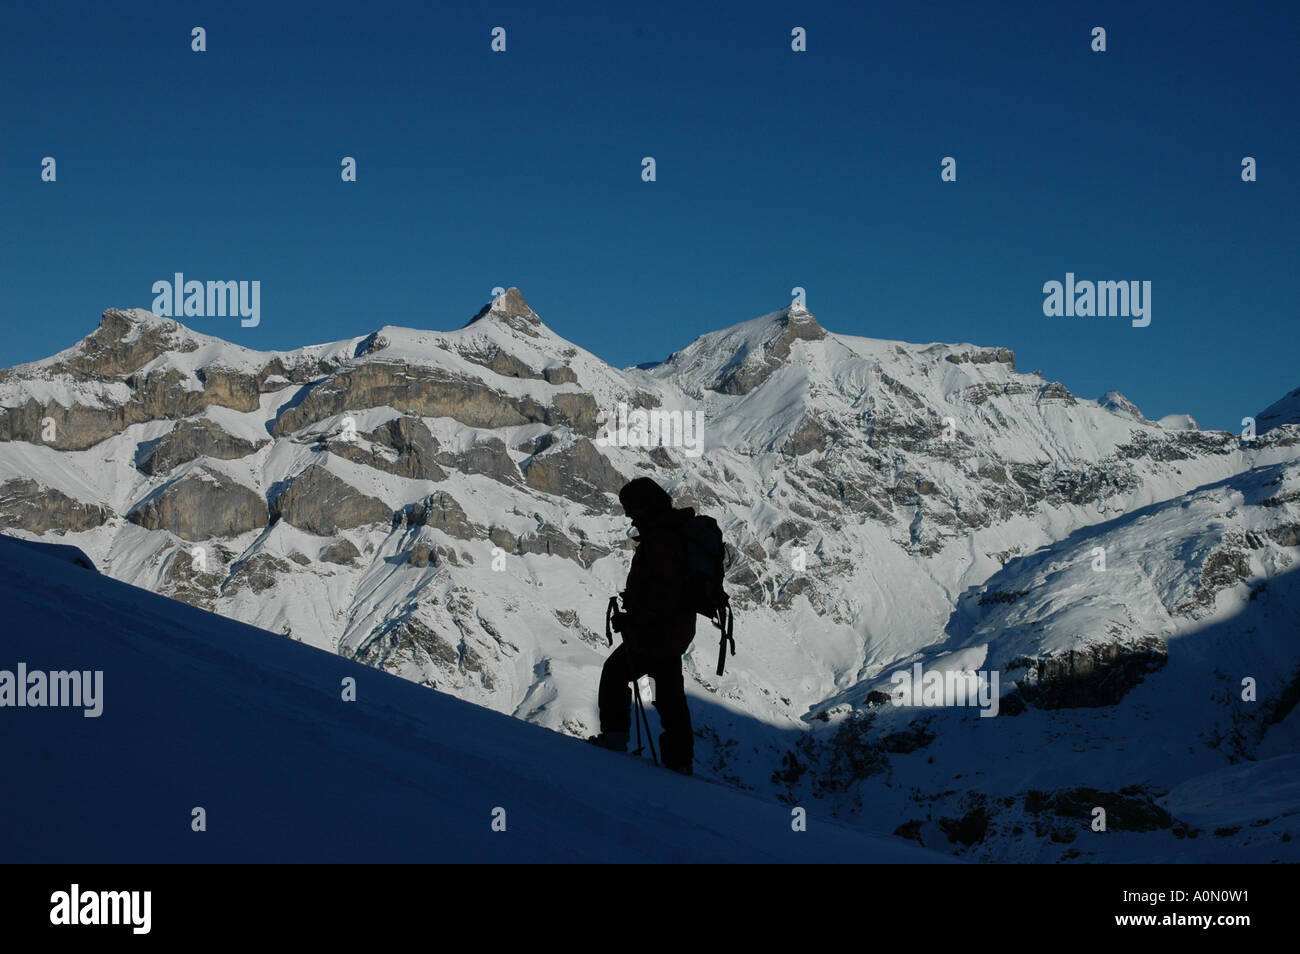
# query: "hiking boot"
{"type": "Point", "coordinates": [614, 741]}
{"type": "Point", "coordinates": [676, 752]}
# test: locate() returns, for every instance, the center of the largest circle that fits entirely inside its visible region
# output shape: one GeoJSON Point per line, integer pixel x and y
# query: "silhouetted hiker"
{"type": "Point", "coordinates": [657, 624]}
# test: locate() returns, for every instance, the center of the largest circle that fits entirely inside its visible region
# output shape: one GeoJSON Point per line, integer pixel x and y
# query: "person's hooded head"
{"type": "Point", "coordinates": [645, 502]}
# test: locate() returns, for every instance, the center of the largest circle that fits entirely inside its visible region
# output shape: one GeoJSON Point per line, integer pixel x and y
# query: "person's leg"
{"type": "Point", "coordinates": [615, 695]}
{"type": "Point", "coordinates": [677, 743]}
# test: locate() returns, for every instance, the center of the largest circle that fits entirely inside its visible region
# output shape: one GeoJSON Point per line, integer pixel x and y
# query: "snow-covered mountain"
{"type": "Point", "coordinates": [1284, 411]}
{"type": "Point", "coordinates": [441, 505]}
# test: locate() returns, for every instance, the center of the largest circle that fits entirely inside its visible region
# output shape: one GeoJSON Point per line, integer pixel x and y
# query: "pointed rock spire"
{"type": "Point", "coordinates": [750, 369]}
{"type": "Point", "coordinates": [510, 308]}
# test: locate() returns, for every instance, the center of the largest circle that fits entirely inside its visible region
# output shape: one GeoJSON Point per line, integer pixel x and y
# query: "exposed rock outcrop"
{"type": "Point", "coordinates": [511, 310]}
{"type": "Point", "coordinates": [1097, 675]}
{"type": "Point", "coordinates": [200, 505]}
{"type": "Point", "coordinates": [26, 505]}
{"type": "Point", "coordinates": [441, 511]}
{"type": "Point", "coordinates": [431, 392]}
{"type": "Point", "coordinates": [503, 363]}
{"type": "Point", "coordinates": [579, 472]}
{"type": "Point", "coordinates": [321, 503]}
{"type": "Point", "coordinates": [985, 356]}
{"type": "Point", "coordinates": [409, 644]}
{"type": "Point", "coordinates": [344, 552]}
{"type": "Point", "coordinates": [487, 456]}
{"type": "Point", "coordinates": [189, 440]}
{"type": "Point", "coordinates": [259, 573]}
{"type": "Point", "coordinates": [404, 446]}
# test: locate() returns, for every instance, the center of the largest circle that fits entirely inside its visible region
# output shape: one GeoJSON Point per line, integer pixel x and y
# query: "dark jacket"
{"type": "Point", "coordinates": [660, 616]}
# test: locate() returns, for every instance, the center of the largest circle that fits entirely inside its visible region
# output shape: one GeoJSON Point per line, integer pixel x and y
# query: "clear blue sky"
{"type": "Point", "coordinates": [775, 169]}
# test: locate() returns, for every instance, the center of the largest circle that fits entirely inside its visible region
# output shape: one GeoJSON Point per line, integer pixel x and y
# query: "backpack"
{"type": "Point", "coordinates": [705, 556]}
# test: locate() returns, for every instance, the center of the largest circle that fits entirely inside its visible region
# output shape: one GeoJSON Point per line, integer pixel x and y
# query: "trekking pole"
{"type": "Point", "coordinates": [611, 611]}
{"type": "Point", "coordinates": [640, 706]}
{"type": "Point", "coordinates": [636, 718]}
{"type": "Point", "coordinates": [641, 710]}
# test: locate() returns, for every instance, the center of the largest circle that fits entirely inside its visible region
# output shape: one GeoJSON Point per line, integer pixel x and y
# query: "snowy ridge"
{"type": "Point", "coordinates": [1280, 413]}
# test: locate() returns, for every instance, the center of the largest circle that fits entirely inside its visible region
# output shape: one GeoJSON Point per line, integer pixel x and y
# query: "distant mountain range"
{"type": "Point", "coordinates": [441, 504]}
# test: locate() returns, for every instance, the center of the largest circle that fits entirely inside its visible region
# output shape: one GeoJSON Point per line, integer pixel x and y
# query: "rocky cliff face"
{"type": "Point", "coordinates": [443, 505]}
{"type": "Point", "coordinates": [199, 505]}
{"type": "Point", "coordinates": [26, 505]}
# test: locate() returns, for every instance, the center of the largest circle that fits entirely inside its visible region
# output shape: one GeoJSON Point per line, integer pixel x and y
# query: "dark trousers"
{"type": "Point", "coordinates": [677, 742]}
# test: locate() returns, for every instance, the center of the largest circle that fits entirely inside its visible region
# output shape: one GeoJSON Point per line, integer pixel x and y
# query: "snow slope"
{"type": "Point", "coordinates": [1285, 410]}
{"type": "Point", "coordinates": [199, 710]}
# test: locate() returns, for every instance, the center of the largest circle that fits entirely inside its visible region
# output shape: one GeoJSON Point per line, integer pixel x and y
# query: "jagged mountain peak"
{"type": "Point", "coordinates": [1118, 403]}
{"type": "Point", "coordinates": [737, 359]}
{"type": "Point", "coordinates": [761, 356]}
{"type": "Point", "coordinates": [122, 327]}
{"type": "Point", "coordinates": [124, 340]}
{"type": "Point", "coordinates": [788, 323]}
{"type": "Point", "coordinates": [510, 308]}
{"type": "Point", "coordinates": [125, 321]}
{"type": "Point", "coordinates": [797, 314]}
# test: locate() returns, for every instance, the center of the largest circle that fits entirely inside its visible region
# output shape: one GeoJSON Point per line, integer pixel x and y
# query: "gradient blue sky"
{"type": "Point", "coordinates": [775, 169]}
